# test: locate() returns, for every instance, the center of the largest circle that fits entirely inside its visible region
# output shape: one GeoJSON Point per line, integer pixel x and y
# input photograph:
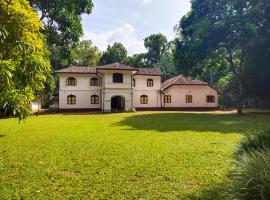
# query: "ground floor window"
{"type": "Point", "coordinates": [94, 99]}
{"type": "Point", "coordinates": [71, 99]}
{"type": "Point", "coordinates": [144, 99]}
{"type": "Point", "coordinates": [167, 98]}
{"type": "Point", "coordinates": [210, 99]}
{"type": "Point", "coordinates": [188, 98]}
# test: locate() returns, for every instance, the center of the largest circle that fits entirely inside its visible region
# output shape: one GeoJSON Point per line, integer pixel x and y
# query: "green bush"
{"type": "Point", "coordinates": [254, 142]}
{"type": "Point", "coordinates": [251, 176]}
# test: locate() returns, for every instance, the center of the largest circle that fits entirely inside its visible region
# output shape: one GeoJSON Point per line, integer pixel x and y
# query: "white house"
{"type": "Point", "coordinates": [118, 87]}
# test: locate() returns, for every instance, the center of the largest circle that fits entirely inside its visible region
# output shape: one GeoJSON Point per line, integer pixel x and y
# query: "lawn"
{"type": "Point", "coordinates": [120, 156]}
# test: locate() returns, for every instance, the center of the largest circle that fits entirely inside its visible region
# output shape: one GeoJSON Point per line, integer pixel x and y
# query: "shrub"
{"type": "Point", "coordinates": [251, 176]}
{"type": "Point", "coordinates": [254, 142]}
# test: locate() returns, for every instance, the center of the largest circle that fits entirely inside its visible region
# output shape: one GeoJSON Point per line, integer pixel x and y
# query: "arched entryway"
{"type": "Point", "coordinates": [117, 103]}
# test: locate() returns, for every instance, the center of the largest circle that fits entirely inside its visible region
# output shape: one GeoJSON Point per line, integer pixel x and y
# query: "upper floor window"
{"type": "Point", "coordinates": [117, 78]}
{"type": "Point", "coordinates": [71, 81]}
{"type": "Point", "coordinates": [150, 83]}
{"type": "Point", "coordinates": [167, 98]}
{"type": "Point", "coordinates": [94, 99]}
{"type": "Point", "coordinates": [210, 99]}
{"type": "Point", "coordinates": [71, 99]}
{"type": "Point", "coordinates": [144, 99]}
{"type": "Point", "coordinates": [133, 82]}
{"type": "Point", "coordinates": [94, 82]}
{"type": "Point", "coordinates": [188, 98]}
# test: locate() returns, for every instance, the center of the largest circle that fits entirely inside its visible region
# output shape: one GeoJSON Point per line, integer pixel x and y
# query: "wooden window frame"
{"type": "Point", "coordinates": [189, 98]}
{"type": "Point", "coordinates": [71, 81]}
{"type": "Point", "coordinates": [150, 82]}
{"type": "Point", "coordinates": [94, 99]}
{"type": "Point", "coordinates": [143, 99]}
{"type": "Point", "coordinates": [94, 82]}
{"type": "Point", "coordinates": [213, 98]}
{"type": "Point", "coordinates": [71, 100]}
{"type": "Point", "coordinates": [167, 99]}
{"type": "Point", "coordinates": [118, 78]}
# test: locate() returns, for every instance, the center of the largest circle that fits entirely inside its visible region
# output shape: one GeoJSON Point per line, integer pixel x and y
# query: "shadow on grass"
{"type": "Point", "coordinates": [216, 192]}
{"type": "Point", "coordinates": [200, 122]}
{"type": "Point", "coordinates": [1, 135]}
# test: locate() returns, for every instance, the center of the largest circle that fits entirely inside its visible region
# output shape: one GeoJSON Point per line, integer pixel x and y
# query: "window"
{"type": "Point", "coordinates": [167, 99]}
{"type": "Point", "coordinates": [210, 99]}
{"type": "Point", "coordinates": [188, 98]}
{"type": "Point", "coordinates": [94, 82]}
{"type": "Point", "coordinates": [117, 78]}
{"type": "Point", "coordinates": [133, 82]}
{"type": "Point", "coordinates": [71, 100]}
{"type": "Point", "coordinates": [94, 99]}
{"type": "Point", "coordinates": [144, 99]}
{"type": "Point", "coordinates": [150, 83]}
{"type": "Point", "coordinates": [71, 81]}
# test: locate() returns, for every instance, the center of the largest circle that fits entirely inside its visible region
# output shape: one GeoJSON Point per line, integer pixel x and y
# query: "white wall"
{"type": "Point", "coordinates": [82, 91]}
{"type": "Point", "coordinates": [142, 89]}
{"type": "Point", "coordinates": [178, 94]}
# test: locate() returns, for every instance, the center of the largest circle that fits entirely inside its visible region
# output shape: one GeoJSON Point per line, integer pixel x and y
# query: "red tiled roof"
{"type": "Point", "coordinates": [78, 70]}
{"type": "Point", "coordinates": [149, 71]}
{"type": "Point", "coordinates": [116, 66]}
{"type": "Point", "coordinates": [181, 80]}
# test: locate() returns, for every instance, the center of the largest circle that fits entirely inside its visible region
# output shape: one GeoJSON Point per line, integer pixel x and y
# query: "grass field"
{"type": "Point", "coordinates": [120, 156]}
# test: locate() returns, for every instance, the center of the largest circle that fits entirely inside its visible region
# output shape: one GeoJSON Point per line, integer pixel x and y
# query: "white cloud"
{"type": "Point", "coordinates": [145, 2]}
{"type": "Point", "coordinates": [124, 34]}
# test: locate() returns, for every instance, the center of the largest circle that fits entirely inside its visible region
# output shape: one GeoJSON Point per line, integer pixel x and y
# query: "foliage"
{"type": "Point", "coordinates": [251, 176]}
{"type": "Point", "coordinates": [156, 45]}
{"type": "Point", "coordinates": [115, 53]}
{"type": "Point", "coordinates": [23, 57]}
{"type": "Point", "coordinates": [152, 155]}
{"type": "Point", "coordinates": [62, 22]}
{"type": "Point", "coordinates": [86, 54]}
{"type": "Point", "coordinates": [256, 141]}
{"type": "Point", "coordinates": [228, 27]}
{"type": "Point", "coordinates": [137, 60]}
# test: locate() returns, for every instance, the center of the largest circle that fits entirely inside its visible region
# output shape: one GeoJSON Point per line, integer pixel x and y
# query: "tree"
{"type": "Point", "coordinates": [62, 22]}
{"type": "Point", "coordinates": [24, 60]}
{"type": "Point", "coordinates": [137, 60]}
{"type": "Point", "coordinates": [156, 46]}
{"type": "Point", "coordinates": [229, 27]}
{"type": "Point", "coordinates": [115, 53]}
{"type": "Point", "coordinates": [86, 54]}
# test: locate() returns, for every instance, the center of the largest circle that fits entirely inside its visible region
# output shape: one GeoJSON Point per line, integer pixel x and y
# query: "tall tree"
{"type": "Point", "coordinates": [115, 53]}
{"type": "Point", "coordinates": [62, 22]}
{"type": "Point", "coordinates": [86, 54]}
{"type": "Point", "coordinates": [227, 26]}
{"type": "Point", "coordinates": [156, 46]}
{"type": "Point", "coordinates": [24, 60]}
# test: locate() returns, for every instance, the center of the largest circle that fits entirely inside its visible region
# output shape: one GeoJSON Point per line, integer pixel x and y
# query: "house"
{"type": "Point", "coordinates": [119, 87]}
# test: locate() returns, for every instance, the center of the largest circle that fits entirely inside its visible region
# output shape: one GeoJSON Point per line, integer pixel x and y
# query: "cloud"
{"type": "Point", "coordinates": [145, 2]}
{"type": "Point", "coordinates": [124, 34]}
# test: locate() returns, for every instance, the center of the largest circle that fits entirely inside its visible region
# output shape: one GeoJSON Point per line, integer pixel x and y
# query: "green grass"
{"type": "Point", "coordinates": [120, 156]}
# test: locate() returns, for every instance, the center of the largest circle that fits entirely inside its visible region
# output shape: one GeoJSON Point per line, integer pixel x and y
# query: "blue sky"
{"type": "Point", "coordinates": [130, 21]}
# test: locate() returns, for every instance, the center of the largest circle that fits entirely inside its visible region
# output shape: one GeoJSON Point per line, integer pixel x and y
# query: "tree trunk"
{"type": "Point", "coordinates": [240, 99]}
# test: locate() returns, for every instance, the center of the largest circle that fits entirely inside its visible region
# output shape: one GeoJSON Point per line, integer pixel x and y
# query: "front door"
{"type": "Point", "coordinates": [117, 103]}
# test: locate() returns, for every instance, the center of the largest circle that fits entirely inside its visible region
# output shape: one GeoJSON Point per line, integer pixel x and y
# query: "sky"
{"type": "Point", "coordinates": [130, 21]}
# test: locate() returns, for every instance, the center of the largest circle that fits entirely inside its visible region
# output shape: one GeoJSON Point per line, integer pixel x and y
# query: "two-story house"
{"type": "Point", "coordinates": [118, 87]}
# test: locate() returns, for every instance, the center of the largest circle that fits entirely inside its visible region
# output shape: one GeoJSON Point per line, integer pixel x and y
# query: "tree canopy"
{"type": "Point", "coordinates": [115, 53]}
{"type": "Point", "coordinates": [24, 59]}
{"type": "Point", "coordinates": [86, 54]}
{"type": "Point", "coordinates": [62, 26]}
{"type": "Point", "coordinates": [218, 30]}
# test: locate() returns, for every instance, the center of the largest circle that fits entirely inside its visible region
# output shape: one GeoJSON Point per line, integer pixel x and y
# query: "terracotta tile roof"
{"type": "Point", "coordinates": [78, 70]}
{"type": "Point", "coordinates": [117, 66]}
{"type": "Point", "coordinates": [181, 80]}
{"type": "Point", "coordinates": [149, 71]}
{"type": "Point", "coordinates": [114, 66]}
